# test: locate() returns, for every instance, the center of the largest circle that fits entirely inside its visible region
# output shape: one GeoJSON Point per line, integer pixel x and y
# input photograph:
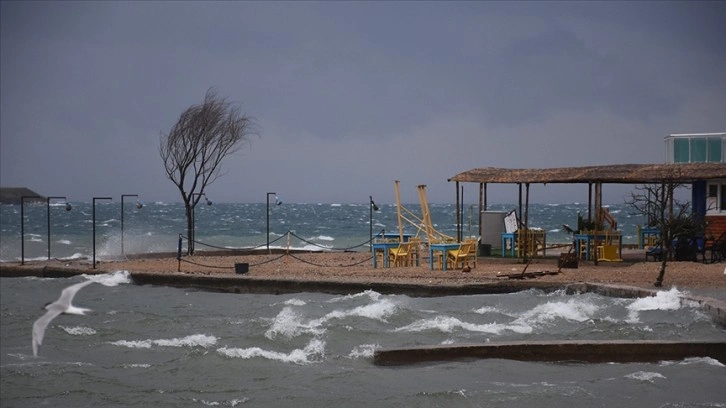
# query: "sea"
{"type": "Point", "coordinates": [145, 345]}
{"type": "Point", "coordinates": [156, 226]}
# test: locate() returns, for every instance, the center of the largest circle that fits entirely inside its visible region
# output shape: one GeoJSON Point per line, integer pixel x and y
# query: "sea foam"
{"type": "Point", "coordinates": [194, 340]}
{"type": "Point", "coordinates": [110, 279]}
{"type": "Point", "coordinates": [314, 351]}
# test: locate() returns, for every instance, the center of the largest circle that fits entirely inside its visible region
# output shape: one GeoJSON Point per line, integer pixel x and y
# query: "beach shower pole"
{"type": "Point", "coordinates": [138, 206]}
{"type": "Point", "coordinates": [277, 202]}
{"type": "Point", "coordinates": [22, 227]}
{"type": "Point", "coordinates": [94, 226]}
{"type": "Point", "coordinates": [373, 207]}
{"type": "Point", "coordinates": [47, 206]}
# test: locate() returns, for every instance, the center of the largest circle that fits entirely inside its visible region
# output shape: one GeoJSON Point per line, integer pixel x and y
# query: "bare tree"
{"type": "Point", "coordinates": [195, 146]}
{"type": "Point", "coordinates": [674, 219]}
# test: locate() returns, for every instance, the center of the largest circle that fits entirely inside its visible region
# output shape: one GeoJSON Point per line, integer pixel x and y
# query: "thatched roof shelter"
{"type": "Point", "coordinates": [683, 173]}
{"type": "Point", "coordinates": [614, 174]}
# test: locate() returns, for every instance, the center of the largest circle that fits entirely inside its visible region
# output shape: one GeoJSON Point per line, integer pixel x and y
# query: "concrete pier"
{"type": "Point", "coordinates": [616, 351]}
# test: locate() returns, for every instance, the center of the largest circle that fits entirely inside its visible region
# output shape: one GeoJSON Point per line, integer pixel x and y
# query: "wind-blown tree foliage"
{"type": "Point", "coordinates": [674, 219]}
{"type": "Point", "coordinates": [195, 146]}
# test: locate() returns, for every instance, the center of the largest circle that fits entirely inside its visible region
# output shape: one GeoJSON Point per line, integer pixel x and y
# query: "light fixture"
{"type": "Point", "coordinates": [373, 207]}
{"type": "Point", "coordinates": [277, 202]}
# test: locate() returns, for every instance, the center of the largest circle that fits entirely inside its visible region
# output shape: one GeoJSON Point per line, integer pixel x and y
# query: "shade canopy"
{"type": "Point", "coordinates": [615, 173]}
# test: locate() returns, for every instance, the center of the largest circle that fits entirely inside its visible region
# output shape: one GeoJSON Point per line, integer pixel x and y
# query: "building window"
{"type": "Point", "coordinates": [681, 151]}
{"type": "Point", "coordinates": [696, 148]}
{"type": "Point", "coordinates": [716, 198]}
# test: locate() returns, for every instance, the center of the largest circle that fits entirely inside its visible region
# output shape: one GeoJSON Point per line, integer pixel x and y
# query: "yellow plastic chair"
{"type": "Point", "coordinates": [608, 253]}
{"type": "Point", "coordinates": [454, 256]}
{"type": "Point", "coordinates": [472, 255]}
{"type": "Point", "coordinates": [400, 256]}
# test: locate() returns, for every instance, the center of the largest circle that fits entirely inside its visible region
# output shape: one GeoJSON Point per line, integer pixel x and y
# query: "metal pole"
{"type": "Point", "coordinates": [268, 221]}
{"type": "Point", "coordinates": [22, 228]}
{"type": "Point", "coordinates": [94, 226]}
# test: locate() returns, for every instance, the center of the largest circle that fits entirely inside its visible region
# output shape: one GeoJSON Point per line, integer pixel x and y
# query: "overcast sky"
{"type": "Point", "coordinates": [350, 96]}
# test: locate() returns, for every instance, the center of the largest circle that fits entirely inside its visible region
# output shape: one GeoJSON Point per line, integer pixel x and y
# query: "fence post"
{"type": "Point", "coordinates": [178, 254]}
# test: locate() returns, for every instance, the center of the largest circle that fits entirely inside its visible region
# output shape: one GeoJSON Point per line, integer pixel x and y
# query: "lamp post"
{"type": "Point", "coordinates": [277, 202]}
{"type": "Point", "coordinates": [138, 206]}
{"type": "Point", "coordinates": [94, 226]}
{"type": "Point", "coordinates": [373, 207]}
{"type": "Point", "coordinates": [47, 206]}
{"type": "Point", "coordinates": [22, 227]}
{"type": "Point", "coordinates": [194, 221]}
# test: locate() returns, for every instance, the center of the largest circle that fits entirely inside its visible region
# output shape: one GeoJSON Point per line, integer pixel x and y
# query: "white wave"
{"type": "Point", "coordinates": [487, 309]}
{"type": "Point", "coordinates": [663, 300]}
{"type": "Point", "coordinates": [136, 366]}
{"type": "Point", "coordinates": [295, 302]}
{"type": "Point", "coordinates": [288, 323]}
{"type": "Point", "coordinates": [194, 340]}
{"type": "Point", "coordinates": [110, 279]}
{"type": "Point", "coordinates": [380, 310]}
{"type": "Point", "coordinates": [75, 256]}
{"type": "Point", "coordinates": [372, 294]}
{"type": "Point", "coordinates": [448, 324]}
{"type": "Point", "coordinates": [573, 309]}
{"type": "Point", "coordinates": [336, 205]}
{"type": "Point", "coordinates": [324, 238]}
{"type": "Point", "coordinates": [79, 331]}
{"type": "Point", "coordinates": [314, 351]}
{"type": "Point", "coordinates": [646, 376]}
{"type": "Point", "coordinates": [64, 242]}
{"type": "Point", "coordinates": [695, 360]}
{"type": "Point", "coordinates": [230, 403]}
{"type": "Point", "coordinates": [363, 351]}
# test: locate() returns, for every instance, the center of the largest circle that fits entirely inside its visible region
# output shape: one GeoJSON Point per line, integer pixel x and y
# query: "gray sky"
{"type": "Point", "coordinates": [350, 96]}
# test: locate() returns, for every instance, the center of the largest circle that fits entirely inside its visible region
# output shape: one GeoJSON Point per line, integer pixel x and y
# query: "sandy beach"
{"type": "Point", "coordinates": [357, 267]}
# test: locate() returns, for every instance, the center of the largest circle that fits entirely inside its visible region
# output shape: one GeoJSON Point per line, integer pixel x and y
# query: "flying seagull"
{"type": "Point", "coordinates": [60, 306]}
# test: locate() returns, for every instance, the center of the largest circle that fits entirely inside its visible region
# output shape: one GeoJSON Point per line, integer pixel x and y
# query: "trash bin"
{"type": "Point", "coordinates": [240, 268]}
{"type": "Point", "coordinates": [485, 250]}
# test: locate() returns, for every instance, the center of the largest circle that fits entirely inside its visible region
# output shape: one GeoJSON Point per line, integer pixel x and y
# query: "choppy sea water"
{"type": "Point", "coordinates": [168, 347]}
{"type": "Point", "coordinates": [156, 226]}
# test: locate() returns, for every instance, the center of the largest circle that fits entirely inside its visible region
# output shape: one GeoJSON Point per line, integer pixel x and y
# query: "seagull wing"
{"type": "Point", "coordinates": [68, 293]}
{"type": "Point", "coordinates": [62, 305]}
{"type": "Point", "coordinates": [40, 325]}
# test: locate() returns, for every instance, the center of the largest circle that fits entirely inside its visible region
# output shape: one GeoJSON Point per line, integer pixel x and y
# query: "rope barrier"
{"type": "Point", "coordinates": [330, 266]}
{"type": "Point", "coordinates": [228, 248]}
{"type": "Point", "coordinates": [288, 234]}
{"type": "Point", "coordinates": [328, 248]}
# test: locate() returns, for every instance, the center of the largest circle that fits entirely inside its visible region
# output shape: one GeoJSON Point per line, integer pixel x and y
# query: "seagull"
{"type": "Point", "coordinates": [60, 306]}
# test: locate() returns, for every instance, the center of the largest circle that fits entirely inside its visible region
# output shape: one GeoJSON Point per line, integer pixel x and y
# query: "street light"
{"type": "Point", "coordinates": [194, 221]}
{"type": "Point", "coordinates": [138, 206]}
{"type": "Point", "coordinates": [277, 202]}
{"type": "Point", "coordinates": [22, 227]}
{"type": "Point", "coordinates": [373, 207]}
{"type": "Point", "coordinates": [47, 206]}
{"type": "Point", "coordinates": [94, 226]}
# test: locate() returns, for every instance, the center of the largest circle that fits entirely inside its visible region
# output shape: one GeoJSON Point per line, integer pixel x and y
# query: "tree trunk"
{"type": "Point", "coordinates": [190, 228]}
{"type": "Point", "coordinates": [664, 259]}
